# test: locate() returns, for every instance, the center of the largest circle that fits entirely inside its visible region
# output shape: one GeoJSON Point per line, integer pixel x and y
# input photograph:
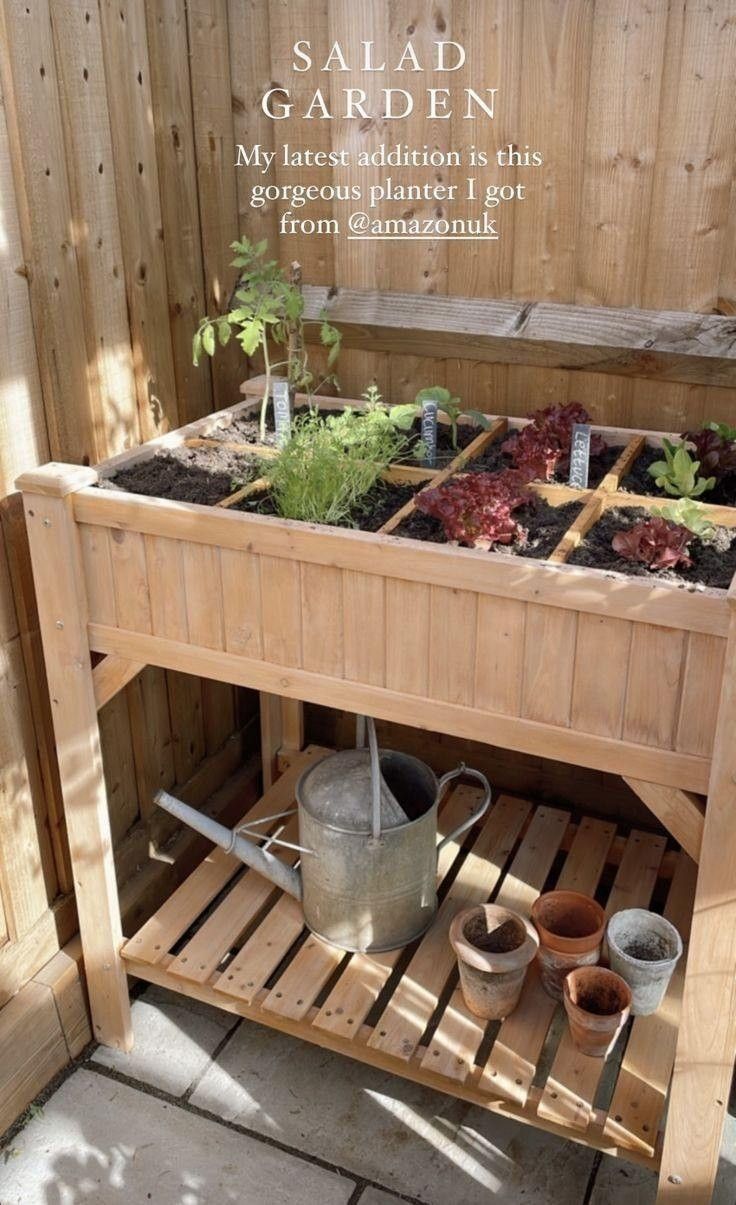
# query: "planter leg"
{"type": "Point", "coordinates": [706, 1043]}
{"type": "Point", "coordinates": [62, 607]}
{"type": "Point", "coordinates": [282, 731]}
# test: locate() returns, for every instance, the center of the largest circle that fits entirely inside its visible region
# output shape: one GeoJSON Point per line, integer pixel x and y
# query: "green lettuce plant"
{"type": "Point", "coordinates": [270, 307]}
{"type": "Point", "coordinates": [687, 513]}
{"type": "Point", "coordinates": [677, 474]}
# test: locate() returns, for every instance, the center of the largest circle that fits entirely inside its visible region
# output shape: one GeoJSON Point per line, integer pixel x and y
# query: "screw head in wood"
{"type": "Point", "coordinates": [47, 522]}
{"type": "Point", "coordinates": [60, 624]}
{"type": "Point", "coordinates": [673, 1179]}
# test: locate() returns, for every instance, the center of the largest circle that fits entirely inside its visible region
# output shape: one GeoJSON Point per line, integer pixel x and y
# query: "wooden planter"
{"type": "Point", "coordinates": [620, 674]}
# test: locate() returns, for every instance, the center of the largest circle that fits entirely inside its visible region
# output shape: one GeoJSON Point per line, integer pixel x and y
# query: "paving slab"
{"type": "Point", "coordinates": [397, 1133]}
{"type": "Point", "coordinates": [174, 1039]}
{"type": "Point", "coordinates": [103, 1142]}
{"type": "Point", "coordinates": [375, 1196]}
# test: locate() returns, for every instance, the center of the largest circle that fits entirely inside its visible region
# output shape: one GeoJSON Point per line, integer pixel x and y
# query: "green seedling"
{"type": "Point", "coordinates": [723, 429]}
{"type": "Point", "coordinates": [404, 415]}
{"type": "Point", "coordinates": [266, 307]}
{"type": "Point", "coordinates": [677, 474]}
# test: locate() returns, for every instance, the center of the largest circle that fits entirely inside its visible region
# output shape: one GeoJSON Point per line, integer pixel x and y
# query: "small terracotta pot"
{"type": "Point", "coordinates": [570, 927]}
{"type": "Point", "coordinates": [597, 1003]}
{"type": "Point", "coordinates": [494, 947]}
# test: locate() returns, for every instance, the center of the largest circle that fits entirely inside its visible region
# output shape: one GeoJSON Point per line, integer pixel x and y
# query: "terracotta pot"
{"type": "Point", "coordinates": [597, 1003]}
{"type": "Point", "coordinates": [570, 927]}
{"type": "Point", "coordinates": [644, 949]}
{"type": "Point", "coordinates": [494, 947]}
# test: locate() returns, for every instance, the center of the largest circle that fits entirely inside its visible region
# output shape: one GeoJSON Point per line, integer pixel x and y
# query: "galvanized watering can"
{"type": "Point", "coordinates": [368, 844]}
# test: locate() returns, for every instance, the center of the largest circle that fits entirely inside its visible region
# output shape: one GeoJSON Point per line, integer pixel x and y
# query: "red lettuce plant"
{"type": "Point", "coordinates": [717, 454]}
{"type": "Point", "coordinates": [656, 543]}
{"type": "Point", "coordinates": [477, 508]}
{"type": "Point", "coordinates": [543, 447]}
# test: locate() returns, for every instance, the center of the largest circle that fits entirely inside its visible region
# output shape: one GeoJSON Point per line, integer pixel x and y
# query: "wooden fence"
{"type": "Point", "coordinates": [119, 197]}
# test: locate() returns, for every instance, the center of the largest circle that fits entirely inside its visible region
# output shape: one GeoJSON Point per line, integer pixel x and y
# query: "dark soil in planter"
{"type": "Point", "coordinates": [504, 938]}
{"type": "Point", "coordinates": [713, 564]}
{"type": "Point", "coordinates": [545, 524]}
{"type": "Point", "coordinates": [640, 481]}
{"type": "Point", "coordinates": [246, 430]}
{"type": "Point", "coordinates": [375, 509]}
{"type": "Point", "coordinates": [204, 475]}
{"type": "Point", "coordinates": [494, 460]}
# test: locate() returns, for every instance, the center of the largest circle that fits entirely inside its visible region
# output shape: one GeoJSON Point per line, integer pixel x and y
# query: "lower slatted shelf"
{"type": "Point", "coordinates": [229, 937]}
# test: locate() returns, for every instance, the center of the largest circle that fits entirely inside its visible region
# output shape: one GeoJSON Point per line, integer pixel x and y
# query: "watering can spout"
{"type": "Point", "coordinates": [260, 860]}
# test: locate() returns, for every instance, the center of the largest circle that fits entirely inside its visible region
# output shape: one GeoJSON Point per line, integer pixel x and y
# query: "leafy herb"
{"type": "Point", "coordinates": [678, 474]}
{"type": "Point", "coordinates": [687, 513]}
{"type": "Point", "coordinates": [329, 464]}
{"type": "Point", "coordinates": [404, 415]}
{"type": "Point", "coordinates": [656, 543]}
{"type": "Point", "coordinates": [269, 307]}
{"type": "Point", "coordinates": [542, 448]}
{"type": "Point", "coordinates": [723, 429]}
{"type": "Point", "coordinates": [477, 508]}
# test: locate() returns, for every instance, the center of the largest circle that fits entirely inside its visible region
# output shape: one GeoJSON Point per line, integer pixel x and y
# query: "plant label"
{"type": "Point", "coordinates": [429, 431]}
{"type": "Point", "coordinates": [281, 411]}
{"type": "Point", "coordinates": [580, 456]}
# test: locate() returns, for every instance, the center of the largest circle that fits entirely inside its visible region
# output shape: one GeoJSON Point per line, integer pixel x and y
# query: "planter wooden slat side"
{"type": "Point", "coordinates": [618, 757]}
{"type": "Point", "coordinates": [166, 584]}
{"type": "Point", "coordinates": [241, 602]}
{"type": "Point", "coordinates": [281, 610]}
{"type": "Point", "coordinates": [549, 662]}
{"type": "Point", "coordinates": [130, 577]}
{"type": "Point", "coordinates": [601, 674]}
{"type": "Point", "coordinates": [364, 594]}
{"type": "Point", "coordinates": [565, 586]}
{"type": "Point", "coordinates": [499, 661]}
{"type": "Point", "coordinates": [656, 665]}
{"type": "Point", "coordinates": [453, 626]}
{"type": "Point", "coordinates": [701, 690]}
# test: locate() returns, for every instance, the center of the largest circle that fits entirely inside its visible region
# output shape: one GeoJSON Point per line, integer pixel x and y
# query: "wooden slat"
{"type": "Point", "coordinates": [403, 1021]}
{"type": "Point", "coordinates": [203, 593]}
{"type": "Point", "coordinates": [168, 56]}
{"type": "Point", "coordinates": [652, 693]}
{"type": "Point", "coordinates": [137, 184]}
{"type": "Point", "coordinates": [407, 636]}
{"type": "Point", "coordinates": [681, 812]}
{"type": "Point", "coordinates": [455, 1042]}
{"type": "Point", "coordinates": [184, 905]}
{"type": "Point", "coordinates": [668, 345]}
{"type": "Point", "coordinates": [241, 602]}
{"type": "Point", "coordinates": [281, 610]}
{"type": "Point", "coordinates": [203, 953]}
{"type": "Point", "coordinates": [452, 661]}
{"type": "Point", "coordinates": [130, 577]}
{"type": "Point", "coordinates": [569, 1092]}
{"type": "Point", "coordinates": [364, 594]}
{"type": "Point", "coordinates": [166, 587]}
{"type": "Point", "coordinates": [499, 662]}
{"type": "Point", "coordinates": [638, 1101]}
{"type": "Point", "coordinates": [512, 1063]}
{"type": "Point", "coordinates": [322, 637]}
{"type": "Point", "coordinates": [258, 958]}
{"type": "Point", "coordinates": [96, 558]}
{"type": "Point", "coordinates": [361, 982]}
{"type": "Point", "coordinates": [598, 693]}
{"type": "Point", "coordinates": [549, 661]}
{"type": "Point", "coordinates": [696, 723]}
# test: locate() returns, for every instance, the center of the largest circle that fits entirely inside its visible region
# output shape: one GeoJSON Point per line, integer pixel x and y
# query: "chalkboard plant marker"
{"type": "Point", "coordinates": [281, 394]}
{"type": "Point", "coordinates": [580, 456]}
{"type": "Point", "coordinates": [429, 431]}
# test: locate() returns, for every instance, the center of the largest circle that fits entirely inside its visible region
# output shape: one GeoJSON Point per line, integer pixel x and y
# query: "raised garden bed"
{"type": "Point", "coordinates": [618, 672]}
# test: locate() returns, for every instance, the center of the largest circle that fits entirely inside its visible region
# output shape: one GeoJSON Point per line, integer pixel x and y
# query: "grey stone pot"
{"type": "Point", "coordinates": [643, 949]}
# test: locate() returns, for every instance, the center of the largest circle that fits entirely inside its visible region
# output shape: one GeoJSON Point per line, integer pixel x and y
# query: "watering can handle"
{"type": "Point", "coordinates": [485, 802]}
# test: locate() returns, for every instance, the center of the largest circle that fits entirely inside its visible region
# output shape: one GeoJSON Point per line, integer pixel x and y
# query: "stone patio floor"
{"type": "Point", "coordinates": [208, 1110]}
